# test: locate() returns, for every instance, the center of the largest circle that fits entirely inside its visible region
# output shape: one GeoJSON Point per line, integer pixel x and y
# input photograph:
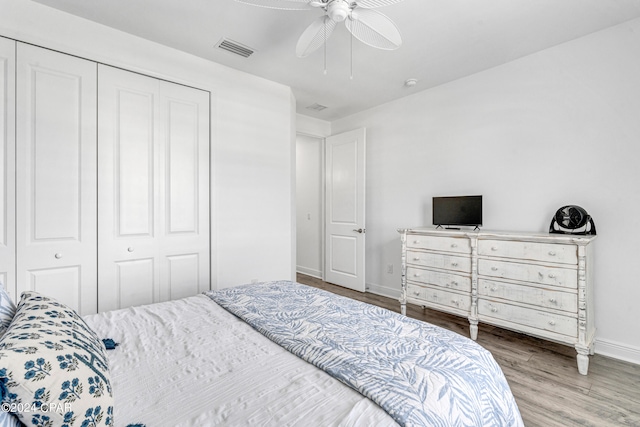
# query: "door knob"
{"type": "Point", "coordinates": [359, 230]}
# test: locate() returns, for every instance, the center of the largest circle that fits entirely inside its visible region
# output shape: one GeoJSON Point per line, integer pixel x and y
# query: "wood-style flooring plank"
{"type": "Point", "coordinates": [543, 375]}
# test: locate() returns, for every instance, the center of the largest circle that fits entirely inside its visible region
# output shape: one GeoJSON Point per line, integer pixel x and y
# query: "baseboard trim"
{"type": "Point", "coordinates": [383, 291]}
{"type": "Point", "coordinates": [618, 351]}
{"type": "Point", "coordinates": [309, 272]}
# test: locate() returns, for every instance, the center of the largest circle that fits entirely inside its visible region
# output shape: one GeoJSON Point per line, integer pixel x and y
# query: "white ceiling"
{"type": "Point", "coordinates": [443, 40]}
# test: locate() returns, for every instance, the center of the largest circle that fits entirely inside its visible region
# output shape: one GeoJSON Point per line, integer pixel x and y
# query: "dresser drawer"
{"type": "Point", "coordinates": [448, 299]}
{"type": "Point", "coordinates": [444, 280]}
{"type": "Point", "coordinates": [538, 319]}
{"type": "Point", "coordinates": [447, 244]}
{"type": "Point", "coordinates": [565, 254]}
{"type": "Point", "coordinates": [415, 291]}
{"type": "Point", "coordinates": [566, 301]}
{"type": "Point", "coordinates": [448, 262]}
{"type": "Point", "coordinates": [554, 276]}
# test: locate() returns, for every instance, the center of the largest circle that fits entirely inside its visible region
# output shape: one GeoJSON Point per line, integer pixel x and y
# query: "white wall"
{"type": "Point", "coordinates": [558, 127]}
{"type": "Point", "coordinates": [309, 205]}
{"type": "Point", "coordinates": [253, 132]}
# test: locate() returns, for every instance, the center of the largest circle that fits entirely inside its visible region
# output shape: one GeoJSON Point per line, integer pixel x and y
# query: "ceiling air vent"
{"type": "Point", "coordinates": [235, 47]}
{"type": "Point", "coordinates": [316, 107]}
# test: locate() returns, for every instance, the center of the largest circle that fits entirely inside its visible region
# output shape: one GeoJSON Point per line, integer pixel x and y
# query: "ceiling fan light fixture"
{"type": "Point", "coordinates": [338, 10]}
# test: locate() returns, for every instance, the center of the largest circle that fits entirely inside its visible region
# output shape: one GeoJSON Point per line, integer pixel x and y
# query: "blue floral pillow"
{"type": "Point", "coordinates": [53, 367]}
{"type": "Point", "coordinates": [7, 310]}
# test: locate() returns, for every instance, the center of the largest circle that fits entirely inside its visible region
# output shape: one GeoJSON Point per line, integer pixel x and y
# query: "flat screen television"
{"type": "Point", "coordinates": [457, 211]}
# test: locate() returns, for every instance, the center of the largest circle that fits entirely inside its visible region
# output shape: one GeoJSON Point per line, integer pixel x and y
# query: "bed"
{"type": "Point", "coordinates": [277, 353]}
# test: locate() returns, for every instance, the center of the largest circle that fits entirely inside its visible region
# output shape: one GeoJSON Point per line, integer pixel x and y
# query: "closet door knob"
{"type": "Point", "coordinates": [58, 255]}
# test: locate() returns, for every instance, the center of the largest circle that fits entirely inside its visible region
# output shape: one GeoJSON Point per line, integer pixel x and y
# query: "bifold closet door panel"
{"type": "Point", "coordinates": [128, 174]}
{"type": "Point", "coordinates": [153, 190]}
{"type": "Point", "coordinates": [56, 167]}
{"type": "Point", "coordinates": [185, 239]}
{"type": "Point", "coordinates": [7, 166]}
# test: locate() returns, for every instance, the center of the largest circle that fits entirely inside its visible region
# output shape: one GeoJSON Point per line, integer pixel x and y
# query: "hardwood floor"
{"type": "Point", "coordinates": [543, 375]}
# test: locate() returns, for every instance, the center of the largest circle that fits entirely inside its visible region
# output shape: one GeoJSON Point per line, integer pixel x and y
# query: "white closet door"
{"type": "Point", "coordinates": [7, 166]}
{"type": "Point", "coordinates": [56, 176]}
{"type": "Point", "coordinates": [184, 240]}
{"type": "Point", "coordinates": [153, 190]}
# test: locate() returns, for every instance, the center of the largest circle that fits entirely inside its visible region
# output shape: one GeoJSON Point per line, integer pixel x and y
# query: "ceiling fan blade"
{"type": "Point", "coordinates": [374, 28]}
{"type": "Point", "coordinates": [280, 4]}
{"type": "Point", "coordinates": [370, 4]}
{"type": "Point", "coordinates": [314, 36]}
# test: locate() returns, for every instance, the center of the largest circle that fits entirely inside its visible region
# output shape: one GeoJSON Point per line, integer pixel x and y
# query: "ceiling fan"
{"type": "Point", "coordinates": [367, 25]}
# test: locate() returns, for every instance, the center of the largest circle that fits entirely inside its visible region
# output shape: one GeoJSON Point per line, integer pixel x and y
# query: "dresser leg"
{"type": "Point", "coordinates": [583, 360]}
{"type": "Point", "coordinates": [403, 309]}
{"type": "Point", "coordinates": [473, 329]}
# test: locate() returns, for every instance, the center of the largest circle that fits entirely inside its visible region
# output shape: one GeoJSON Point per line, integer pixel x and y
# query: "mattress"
{"type": "Point", "coordinates": [191, 363]}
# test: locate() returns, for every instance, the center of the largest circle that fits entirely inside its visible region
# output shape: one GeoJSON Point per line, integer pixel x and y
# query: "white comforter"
{"type": "Point", "coordinates": [191, 363]}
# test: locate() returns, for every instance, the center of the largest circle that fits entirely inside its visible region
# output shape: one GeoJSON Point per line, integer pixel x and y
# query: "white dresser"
{"type": "Point", "coordinates": [538, 284]}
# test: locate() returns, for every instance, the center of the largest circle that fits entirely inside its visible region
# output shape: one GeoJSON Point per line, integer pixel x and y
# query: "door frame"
{"type": "Point", "coordinates": [321, 214]}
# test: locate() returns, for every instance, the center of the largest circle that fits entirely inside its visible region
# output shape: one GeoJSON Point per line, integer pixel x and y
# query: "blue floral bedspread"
{"type": "Point", "coordinates": [421, 374]}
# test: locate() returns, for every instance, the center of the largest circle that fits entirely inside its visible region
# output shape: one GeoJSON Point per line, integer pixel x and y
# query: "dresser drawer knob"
{"type": "Point", "coordinates": [416, 293]}
{"type": "Point", "coordinates": [494, 310]}
{"type": "Point", "coordinates": [552, 253]}
{"type": "Point", "coordinates": [552, 323]}
{"type": "Point", "coordinates": [416, 274]}
{"type": "Point", "coordinates": [455, 302]}
{"type": "Point", "coordinates": [494, 248]}
{"type": "Point", "coordinates": [416, 258]}
{"type": "Point", "coordinates": [435, 296]}
{"type": "Point", "coordinates": [454, 264]}
{"type": "Point", "coordinates": [552, 276]}
{"type": "Point", "coordinates": [454, 283]}
{"type": "Point", "coordinates": [58, 255]}
{"type": "Point", "coordinates": [416, 242]}
{"type": "Point", "coordinates": [552, 300]}
{"type": "Point", "coordinates": [493, 289]}
{"type": "Point", "coordinates": [494, 268]}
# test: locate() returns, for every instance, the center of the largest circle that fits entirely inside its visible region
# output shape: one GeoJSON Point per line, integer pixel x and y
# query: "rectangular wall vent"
{"type": "Point", "coordinates": [316, 107]}
{"type": "Point", "coordinates": [235, 47]}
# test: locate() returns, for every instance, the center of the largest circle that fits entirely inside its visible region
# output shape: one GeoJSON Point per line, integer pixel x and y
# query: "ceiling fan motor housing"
{"type": "Point", "coordinates": [338, 10]}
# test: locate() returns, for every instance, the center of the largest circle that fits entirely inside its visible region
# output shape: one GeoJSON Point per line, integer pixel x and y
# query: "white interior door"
{"type": "Point", "coordinates": [153, 190]}
{"type": "Point", "coordinates": [7, 166]}
{"type": "Point", "coordinates": [345, 210]}
{"type": "Point", "coordinates": [56, 176]}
